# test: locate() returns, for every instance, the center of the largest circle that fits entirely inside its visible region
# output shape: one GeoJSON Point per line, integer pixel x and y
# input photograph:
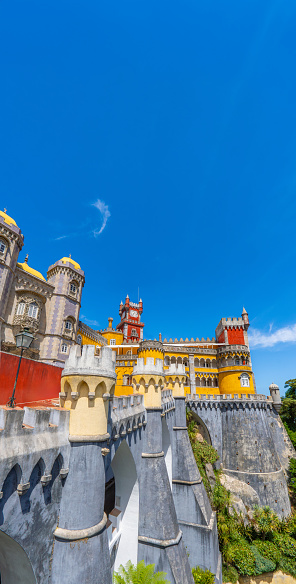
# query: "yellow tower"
{"type": "Point", "coordinates": [148, 376]}
{"type": "Point", "coordinates": [87, 382]}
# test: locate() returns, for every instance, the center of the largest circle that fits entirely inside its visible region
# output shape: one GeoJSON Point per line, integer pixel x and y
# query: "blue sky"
{"type": "Point", "coordinates": [180, 119]}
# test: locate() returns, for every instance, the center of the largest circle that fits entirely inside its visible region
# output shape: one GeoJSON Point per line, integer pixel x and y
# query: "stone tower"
{"type": "Point", "coordinates": [67, 277]}
{"type": "Point", "coordinates": [11, 243]}
{"type": "Point", "coordinates": [81, 552]}
{"type": "Point", "coordinates": [160, 538]}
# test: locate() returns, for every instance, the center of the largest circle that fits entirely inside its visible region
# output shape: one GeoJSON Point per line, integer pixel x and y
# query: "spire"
{"type": "Point", "coordinates": [26, 258]}
{"type": "Point", "coordinates": [245, 318]}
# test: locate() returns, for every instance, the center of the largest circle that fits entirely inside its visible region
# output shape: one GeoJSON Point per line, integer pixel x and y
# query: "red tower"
{"type": "Point", "coordinates": [130, 324]}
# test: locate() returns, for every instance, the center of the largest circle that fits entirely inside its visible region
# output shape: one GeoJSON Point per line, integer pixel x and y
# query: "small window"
{"type": "Point", "coordinates": [245, 381]}
{"type": "Point", "coordinates": [79, 339]}
{"type": "Point", "coordinates": [73, 288]}
{"type": "Point", "coordinates": [20, 309]}
{"type": "Point", "coordinates": [237, 361]}
{"type": "Point", "coordinates": [64, 348]}
{"type": "Point", "coordinates": [33, 310]}
{"type": "Point", "coordinates": [68, 325]}
{"type": "Point", "coordinates": [112, 341]}
{"type": "Point", "coordinates": [2, 247]}
{"type": "Point", "coordinates": [208, 364]}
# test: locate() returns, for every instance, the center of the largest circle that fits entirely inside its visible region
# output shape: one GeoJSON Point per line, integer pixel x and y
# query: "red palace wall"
{"type": "Point", "coordinates": [36, 381]}
{"type": "Point", "coordinates": [221, 338]}
{"type": "Point", "coordinates": [236, 337]}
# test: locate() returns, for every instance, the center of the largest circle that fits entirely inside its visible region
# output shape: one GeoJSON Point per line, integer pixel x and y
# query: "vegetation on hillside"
{"type": "Point", "coordinates": [139, 574]}
{"type": "Point", "coordinates": [288, 415]}
{"type": "Point", "coordinates": [263, 543]}
{"type": "Point", "coordinates": [142, 574]}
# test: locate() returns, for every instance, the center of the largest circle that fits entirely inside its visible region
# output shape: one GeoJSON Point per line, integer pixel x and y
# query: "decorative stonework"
{"type": "Point", "coordinates": [21, 321]}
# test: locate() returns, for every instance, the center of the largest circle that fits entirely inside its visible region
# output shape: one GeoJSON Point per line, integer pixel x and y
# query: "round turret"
{"type": "Point", "coordinates": [275, 394]}
{"type": "Point", "coordinates": [87, 381]}
{"type": "Point", "coordinates": [148, 373]}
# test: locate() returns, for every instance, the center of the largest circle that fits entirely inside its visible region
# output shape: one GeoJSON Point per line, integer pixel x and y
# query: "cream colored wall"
{"type": "Point", "coordinates": [88, 408]}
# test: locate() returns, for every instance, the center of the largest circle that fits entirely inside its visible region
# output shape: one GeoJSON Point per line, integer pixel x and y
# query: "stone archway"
{"type": "Point", "coordinates": [202, 427]}
{"type": "Point", "coordinates": [127, 502]}
{"type": "Point", "coordinates": [15, 566]}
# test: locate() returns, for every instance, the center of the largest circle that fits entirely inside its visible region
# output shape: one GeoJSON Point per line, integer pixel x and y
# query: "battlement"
{"type": "Point", "coordinates": [176, 369]}
{"type": "Point", "coordinates": [235, 400]}
{"type": "Point", "coordinates": [32, 435]}
{"type": "Point", "coordinates": [167, 401]}
{"type": "Point", "coordinates": [233, 349]}
{"type": "Point", "coordinates": [127, 414]}
{"type": "Point", "coordinates": [83, 361]}
{"type": "Point", "coordinates": [192, 340]}
{"type": "Point", "coordinates": [152, 366]}
{"type": "Point", "coordinates": [18, 422]}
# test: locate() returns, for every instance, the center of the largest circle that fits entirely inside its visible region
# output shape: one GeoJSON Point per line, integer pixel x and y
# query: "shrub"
{"type": "Point", "coordinates": [262, 564]}
{"type": "Point", "coordinates": [286, 544]}
{"type": "Point", "coordinates": [139, 574]}
{"type": "Point", "coordinates": [265, 522]}
{"type": "Point", "coordinates": [287, 565]}
{"type": "Point", "coordinates": [203, 452]}
{"type": "Point", "coordinates": [292, 475]}
{"type": "Point", "coordinates": [241, 555]}
{"type": "Point", "coordinates": [202, 576]}
{"type": "Point", "coordinates": [269, 550]}
{"type": "Point", "coordinates": [229, 574]}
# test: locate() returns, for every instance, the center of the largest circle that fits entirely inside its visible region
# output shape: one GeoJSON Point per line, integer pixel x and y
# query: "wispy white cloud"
{"type": "Point", "coordinates": [105, 213]}
{"type": "Point", "coordinates": [286, 334]}
{"type": "Point", "coordinates": [89, 321]}
{"type": "Point", "coordinates": [61, 237]}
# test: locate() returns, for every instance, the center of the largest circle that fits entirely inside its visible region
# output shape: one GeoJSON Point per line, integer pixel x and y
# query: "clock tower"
{"type": "Point", "coordinates": [130, 324]}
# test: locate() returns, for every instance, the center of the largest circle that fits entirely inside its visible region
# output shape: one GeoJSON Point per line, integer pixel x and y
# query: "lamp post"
{"type": "Point", "coordinates": [23, 341]}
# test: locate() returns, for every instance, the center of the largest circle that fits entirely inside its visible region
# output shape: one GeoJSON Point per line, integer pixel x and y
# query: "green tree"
{"type": "Point", "coordinates": [290, 387]}
{"type": "Point", "coordinates": [139, 574]}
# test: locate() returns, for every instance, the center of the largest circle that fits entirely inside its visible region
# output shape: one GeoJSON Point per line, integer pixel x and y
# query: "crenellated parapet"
{"type": "Point", "coordinates": [175, 377]}
{"type": "Point", "coordinates": [230, 401]}
{"type": "Point", "coordinates": [148, 374]}
{"type": "Point", "coordinates": [127, 415]}
{"type": "Point", "coordinates": [31, 437]}
{"type": "Point", "coordinates": [167, 401]}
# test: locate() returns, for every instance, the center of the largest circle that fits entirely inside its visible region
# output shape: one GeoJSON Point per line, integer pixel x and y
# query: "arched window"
{"type": "Point", "coordinates": [64, 348]}
{"type": "Point", "coordinates": [237, 361]}
{"type": "Point", "coordinates": [20, 309]}
{"type": "Point", "coordinates": [69, 325]}
{"type": "Point", "coordinates": [73, 288]}
{"type": "Point", "coordinates": [3, 247]}
{"type": "Point", "coordinates": [79, 339]}
{"type": "Point", "coordinates": [245, 380]}
{"type": "Point", "coordinates": [33, 310]}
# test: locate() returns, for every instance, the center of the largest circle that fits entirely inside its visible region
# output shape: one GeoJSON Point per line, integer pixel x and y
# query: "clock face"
{"type": "Point", "coordinates": [133, 313]}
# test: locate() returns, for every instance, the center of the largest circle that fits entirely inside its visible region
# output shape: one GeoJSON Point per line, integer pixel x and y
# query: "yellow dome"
{"type": "Point", "coordinates": [31, 271]}
{"type": "Point", "coordinates": [7, 219]}
{"type": "Point", "coordinates": [75, 264]}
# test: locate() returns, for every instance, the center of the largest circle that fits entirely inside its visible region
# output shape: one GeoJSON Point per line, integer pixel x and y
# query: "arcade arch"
{"type": "Point", "coordinates": [127, 502]}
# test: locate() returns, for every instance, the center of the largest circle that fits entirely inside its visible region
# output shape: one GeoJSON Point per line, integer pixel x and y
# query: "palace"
{"type": "Point", "coordinates": [50, 308]}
